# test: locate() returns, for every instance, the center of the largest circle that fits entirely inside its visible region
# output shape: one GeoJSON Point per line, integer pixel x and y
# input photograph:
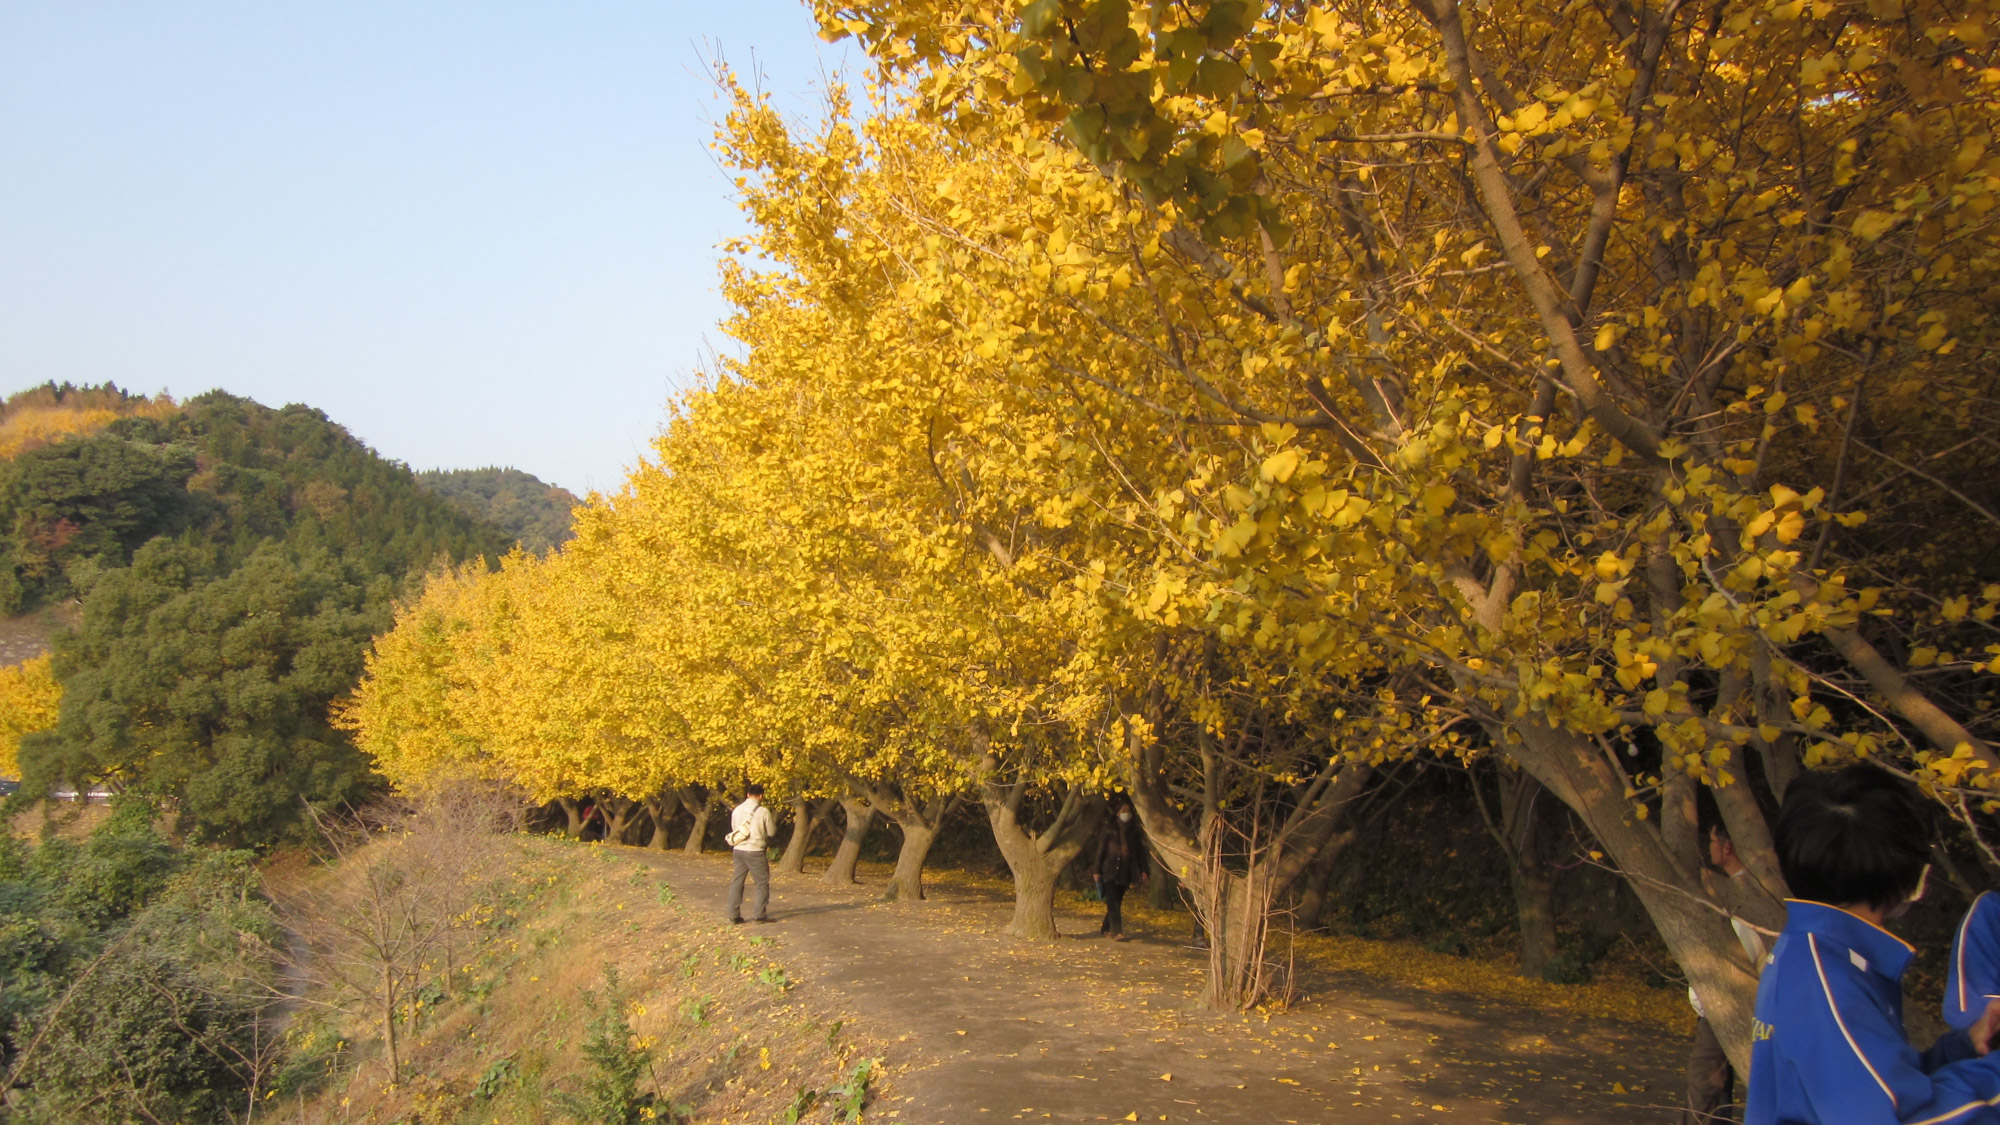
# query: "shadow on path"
{"type": "Point", "coordinates": [990, 1029]}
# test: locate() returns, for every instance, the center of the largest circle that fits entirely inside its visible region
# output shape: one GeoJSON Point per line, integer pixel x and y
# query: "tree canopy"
{"type": "Point", "coordinates": [1230, 401]}
{"type": "Point", "coordinates": [534, 513]}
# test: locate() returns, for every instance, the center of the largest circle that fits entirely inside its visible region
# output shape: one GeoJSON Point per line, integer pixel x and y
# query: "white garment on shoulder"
{"type": "Point", "coordinates": [755, 820]}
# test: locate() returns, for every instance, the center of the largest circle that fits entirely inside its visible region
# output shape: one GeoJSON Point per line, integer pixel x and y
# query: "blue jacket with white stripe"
{"type": "Point", "coordinates": [1828, 1046]}
{"type": "Point", "coordinates": [1975, 963]}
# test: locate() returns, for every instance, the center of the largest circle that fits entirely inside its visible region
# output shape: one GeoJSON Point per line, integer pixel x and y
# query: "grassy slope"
{"type": "Point", "coordinates": [732, 1040]}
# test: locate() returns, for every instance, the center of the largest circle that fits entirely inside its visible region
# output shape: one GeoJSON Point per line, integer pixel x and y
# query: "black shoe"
{"type": "Point", "coordinates": [763, 921]}
{"type": "Point", "coordinates": [736, 921]}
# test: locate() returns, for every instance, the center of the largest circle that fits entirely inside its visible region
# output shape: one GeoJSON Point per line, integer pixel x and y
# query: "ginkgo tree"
{"type": "Point", "coordinates": [30, 700]}
{"type": "Point", "coordinates": [1577, 351]}
{"type": "Point", "coordinates": [1036, 509]}
{"type": "Point", "coordinates": [1227, 402]}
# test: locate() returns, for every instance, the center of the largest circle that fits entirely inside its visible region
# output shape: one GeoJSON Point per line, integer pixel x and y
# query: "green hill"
{"type": "Point", "coordinates": [230, 563]}
{"type": "Point", "coordinates": [533, 512]}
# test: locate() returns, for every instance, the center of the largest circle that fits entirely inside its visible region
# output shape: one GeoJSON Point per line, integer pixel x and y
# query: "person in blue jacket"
{"type": "Point", "coordinates": [1974, 980]}
{"type": "Point", "coordinates": [1827, 1044]}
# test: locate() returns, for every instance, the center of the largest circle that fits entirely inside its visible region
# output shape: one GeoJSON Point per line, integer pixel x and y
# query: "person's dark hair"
{"type": "Point", "coordinates": [1853, 835]}
{"type": "Point", "coordinates": [753, 790]}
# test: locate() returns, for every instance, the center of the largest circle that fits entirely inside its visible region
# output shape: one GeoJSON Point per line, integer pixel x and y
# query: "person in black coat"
{"type": "Point", "coordinates": [1121, 862]}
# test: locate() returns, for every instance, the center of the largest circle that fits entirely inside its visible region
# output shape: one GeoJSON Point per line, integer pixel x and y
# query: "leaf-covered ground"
{"type": "Point", "coordinates": [980, 1027]}
{"type": "Point", "coordinates": [751, 1025]}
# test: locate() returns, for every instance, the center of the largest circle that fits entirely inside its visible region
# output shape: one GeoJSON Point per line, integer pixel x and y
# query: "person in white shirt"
{"type": "Point", "coordinates": [751, 827]}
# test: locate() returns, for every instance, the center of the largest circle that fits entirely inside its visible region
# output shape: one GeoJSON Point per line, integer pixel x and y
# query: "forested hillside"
{"type": "Point", "coordinates": [535, 513]}
{"type": "Point", "coordinates": [229, 562]}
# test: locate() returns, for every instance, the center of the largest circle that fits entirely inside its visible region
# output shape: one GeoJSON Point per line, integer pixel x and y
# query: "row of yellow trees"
{"type": "Point", "coordinates": [1223, 401]}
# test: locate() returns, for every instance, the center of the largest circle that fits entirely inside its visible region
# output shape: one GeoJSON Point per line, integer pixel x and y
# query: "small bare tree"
{"type": "Point", "coordinates": [392, 908]}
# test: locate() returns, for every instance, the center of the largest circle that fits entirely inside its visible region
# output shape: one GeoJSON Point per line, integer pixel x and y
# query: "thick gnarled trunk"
{"type": "Point", "coordinates": [860, 817]}
{"type": "Point", "coordinates": [572, 816]}
{"type": "Point", "coordinates": [906, 883]}
{"type": "Point", "coordinates": [1236, 874]}
{"type": "Point", "coordinates": [623, 814]}
{"type": "Point", "coordinates": [806, 817]}
{"type": "Point", "coordinates": [920, 822]}
{"type": "Point", "coordinates": [699, 804]}
{"type": "Point", "coordinates": [661, 807]}
{"type": "Point", "coordinates": [1037, 859]}
{"type": "Point", "coordinates": [1695, 930]}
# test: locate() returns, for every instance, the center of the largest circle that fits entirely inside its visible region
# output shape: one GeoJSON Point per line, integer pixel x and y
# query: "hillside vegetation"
{"type": "Point", "coordinates": [534, 513]}
{"type": "Point", "coordinates": [51, 412]}
{"type": "Point", "coordinates": [228, 563]}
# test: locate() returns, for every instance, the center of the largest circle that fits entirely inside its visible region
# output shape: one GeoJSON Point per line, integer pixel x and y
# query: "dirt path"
{"type": "Point", "coordinates": [988, 1029]}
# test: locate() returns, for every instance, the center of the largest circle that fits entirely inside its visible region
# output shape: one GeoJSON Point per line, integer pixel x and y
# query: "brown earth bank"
{"type": "Point", "coordinates": [980, 1027]}
{"type": "Point", "coordinates": [28, 636]}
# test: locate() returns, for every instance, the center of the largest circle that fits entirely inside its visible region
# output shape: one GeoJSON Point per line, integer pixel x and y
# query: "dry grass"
{"type": "Point", "coordinates": [68, 820]}
{"type": "Point", "coordinates": [731, 1039]}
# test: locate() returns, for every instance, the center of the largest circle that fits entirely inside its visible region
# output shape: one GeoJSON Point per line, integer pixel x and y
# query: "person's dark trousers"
{"type": "Point", "coordinates": [757, 866]}
{"type": "Point", "coordinates": [1710, 1078]}
{"type": "Point", "coordinates": [1114, 902]}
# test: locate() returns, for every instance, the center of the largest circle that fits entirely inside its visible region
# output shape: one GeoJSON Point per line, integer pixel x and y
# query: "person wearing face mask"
{"type": "Point", "coordinates": [1121, 862]}
{"type": "Point", "coordinates": [1827, 1042]}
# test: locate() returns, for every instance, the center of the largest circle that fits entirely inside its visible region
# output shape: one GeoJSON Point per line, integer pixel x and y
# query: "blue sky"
{"type": "Point", "coordinates": [473, 233]}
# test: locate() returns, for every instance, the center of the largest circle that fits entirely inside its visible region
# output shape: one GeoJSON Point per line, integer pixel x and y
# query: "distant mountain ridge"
{"type": "Point", "coordinates": [532, 511]}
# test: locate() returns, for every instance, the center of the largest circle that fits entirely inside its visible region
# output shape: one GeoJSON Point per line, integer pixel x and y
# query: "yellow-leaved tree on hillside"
{"type": "Point", "coordinates": [30, 699]}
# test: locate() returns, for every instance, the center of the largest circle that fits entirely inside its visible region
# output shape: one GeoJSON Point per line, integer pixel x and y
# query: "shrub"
{"type": "Point", "coordinates": [619, 1060]}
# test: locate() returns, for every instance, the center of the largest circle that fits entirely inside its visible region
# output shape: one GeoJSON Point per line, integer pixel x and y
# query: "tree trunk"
{"type": "Point", "coordinates": [1535, 910]}
{"type": "Point", "coordinates": [1522, 831]}
{"type": "Point", "coordinates": [1160, 883]}
{"type": "Point", "coordinates": [623, 812]}
{"type": "Point", "coordinates": [572, 816]}
{"type": "Point", "coordinates": [860, 816]}
{"type": "Point", "coordinates": [1036, 860]}
{"type": "Point", "coordinates": [1235, 911]}
{"type": "Point", "coordinates": [907, 883]}
{"type": "Point", "coordinates": [1034, 900]}
{"type": "Point", "coordinates": [661, 807]}
{"type": "Point", "coordinates": [806, 819]}
{"type": "Point", "coordinates": [1319, 877]}
{"type": "Point", "coordinates": [389, 1044]}
{"type": "Point", "coordinates": [920, 823]}
{"type": "Point", "coordinates": [1234, 908]}
{"type": "Point", "coordinates": [1697, 935]}
{"type": "Point", "coordinates": [696, 800]}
